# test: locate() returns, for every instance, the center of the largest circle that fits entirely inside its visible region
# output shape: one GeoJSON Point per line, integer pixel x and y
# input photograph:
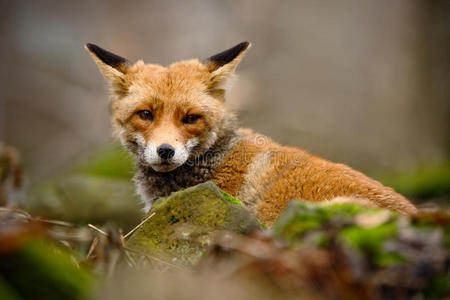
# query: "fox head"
{"type": "Point", "coordinates": [166, 115]}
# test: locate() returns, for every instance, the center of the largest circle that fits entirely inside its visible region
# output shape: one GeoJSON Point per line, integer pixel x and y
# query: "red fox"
{"type": "Point", "coordinates": [174, 121]}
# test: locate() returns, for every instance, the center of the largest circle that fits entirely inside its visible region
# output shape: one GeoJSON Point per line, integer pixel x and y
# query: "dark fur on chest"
{"type": "Point", "coordinates": [196, 170]}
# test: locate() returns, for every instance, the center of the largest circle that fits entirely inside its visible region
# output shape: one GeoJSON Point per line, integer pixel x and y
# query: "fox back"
{"type": "Point", "coordinates": [173, 120]}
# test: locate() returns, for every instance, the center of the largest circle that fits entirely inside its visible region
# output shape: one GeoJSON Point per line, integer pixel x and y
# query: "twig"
{"type": "Point", "coordinates": [54, 222]}
{"type": "Point", "coordinates": [16, 210]}
{"type": "Point", "coordinates": [97, 229]}
{"type": "Point", "coordinates": [92, 248]}
{"type": "Point", "coordinates": [139, 225]}
{"type": "Point", "coordinates": [28, 217]}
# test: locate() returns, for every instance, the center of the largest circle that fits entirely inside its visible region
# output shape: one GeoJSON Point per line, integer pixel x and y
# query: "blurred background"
{"type": "Point", "coordinates": [365, 83]}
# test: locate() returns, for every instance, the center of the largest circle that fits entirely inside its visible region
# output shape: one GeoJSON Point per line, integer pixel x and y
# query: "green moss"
{"type": "Point", "coordinates": [184, 224]}
{"type": "Point", "coordinates": [263, 226]}
{"type": "Point", "coordinates": [303, 223]}
{"type": "Point", "coordinates": [231, 199]}
{"type": "Point", "coordinates": [301, 217]}
{"type": "Point", "coordinates": [371, 241]}
{"type": "Point", "coordinates": [365, 238]}
{"type": "Point", "coordinates": [234, 200]}
{"type": "Point", "coordinates": [346, 209]}
{"type": "Point", "coordinates": [174, 220]}
{"type": "Point", "coordinates": [297, 219]}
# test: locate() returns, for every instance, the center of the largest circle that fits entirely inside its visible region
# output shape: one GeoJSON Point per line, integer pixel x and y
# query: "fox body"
{"type": "Point", "coordinates": [174, 121]}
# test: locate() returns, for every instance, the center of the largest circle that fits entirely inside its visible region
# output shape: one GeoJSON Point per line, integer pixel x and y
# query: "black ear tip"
{"type": "Point", "coordinates": [241, 47]}
{"type": "Point", "coordinates": [91, 46]}
{"type": "Point", "coordinates": [94, 48]}
{"type": "Point", "coordinates": [105, 56]}
{"type": "Point", "coordinates": [227, 56]}
{"type": "Point", "coordinates": [245, 44]}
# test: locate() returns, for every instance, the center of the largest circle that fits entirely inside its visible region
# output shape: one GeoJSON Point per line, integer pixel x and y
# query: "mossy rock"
{"type": "Point", "coordinates": [375, 241]}
{"type": "Point", "coordinates": [184, 224]}
{"type": "Point", "coordinates": [300, 218]}
{"type": "Point", "coordinates": [361, 227]}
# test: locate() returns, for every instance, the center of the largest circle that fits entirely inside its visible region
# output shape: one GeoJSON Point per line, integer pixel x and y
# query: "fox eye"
{"type": "Point", "coordinates": [191, 119]}
{"type": "Point", "coordinates": [145, 115]}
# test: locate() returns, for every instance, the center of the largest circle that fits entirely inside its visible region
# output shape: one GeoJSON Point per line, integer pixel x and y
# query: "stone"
{"type": "Point", "coordinates": [183, 226]}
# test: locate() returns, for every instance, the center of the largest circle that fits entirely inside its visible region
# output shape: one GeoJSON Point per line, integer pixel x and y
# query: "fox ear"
{"type": "Point", "coordinates": [222, 65]}
{"type": "Point", "coordinates": [112, 66]}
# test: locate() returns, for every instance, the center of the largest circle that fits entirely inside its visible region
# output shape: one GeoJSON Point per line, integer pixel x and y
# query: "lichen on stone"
{"type": "Point", "coordinates": [183, 225]}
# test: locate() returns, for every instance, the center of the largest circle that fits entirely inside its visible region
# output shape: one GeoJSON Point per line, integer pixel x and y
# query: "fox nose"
{"type": "Point", "coordinates": [166, 151]}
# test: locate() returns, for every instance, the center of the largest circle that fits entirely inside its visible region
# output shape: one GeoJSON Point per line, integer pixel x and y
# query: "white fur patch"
{"type": "Point", "coordinates": [192, 143]}
{"type": "Point", "coordinates": [211, 139]}
{"type": "Point", "coordinates": [180, 156]}
{"type": "Point", "coordinates": [140, 140]}
{"type": "Point", "coordinates": [146, 199]}
{"type": "Point", "coordinates": [150, 154]}
{"type": "Point", "coordinates": [122, 136]}
{"type": "Point", "coordinates": [255, 185]}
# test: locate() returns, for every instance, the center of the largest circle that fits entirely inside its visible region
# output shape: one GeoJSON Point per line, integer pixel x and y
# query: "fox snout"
{"type": "Point", "coordinates": [165, 151]}
{"type": "Point", "coordinates": [165, 157]}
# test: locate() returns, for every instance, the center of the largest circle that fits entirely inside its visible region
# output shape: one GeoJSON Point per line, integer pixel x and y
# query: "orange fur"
{"type": "Point", "coordinates": [229, 176]}
{"type": "Point", "coordinates": [292, 173]}
{"type": "Point", "coordinates": [260, 172]}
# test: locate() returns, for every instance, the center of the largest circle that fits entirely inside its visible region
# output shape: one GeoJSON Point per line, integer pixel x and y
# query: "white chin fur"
{"type": "Point", "coordinates": [180, 157]}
